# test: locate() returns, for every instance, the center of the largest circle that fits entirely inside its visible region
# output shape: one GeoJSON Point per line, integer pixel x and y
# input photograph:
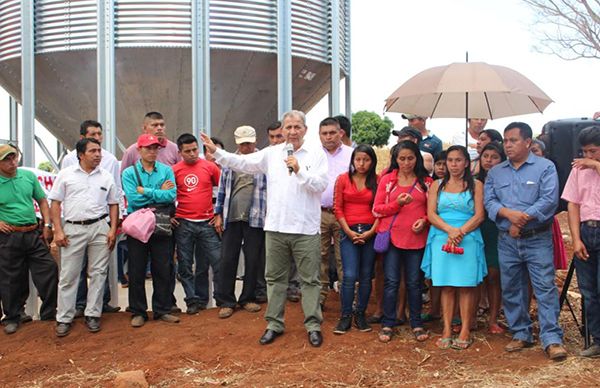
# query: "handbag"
{"type": "Point", "coordinates": [140, 224]}
{"type": "Point", "coordinates": [382, 239]}
{"type": "Point", "coordinates": [162, 213]}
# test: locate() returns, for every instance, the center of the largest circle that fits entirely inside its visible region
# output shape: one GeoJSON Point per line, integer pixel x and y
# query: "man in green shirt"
{"type": "Point", "coordinates": [22, 247]}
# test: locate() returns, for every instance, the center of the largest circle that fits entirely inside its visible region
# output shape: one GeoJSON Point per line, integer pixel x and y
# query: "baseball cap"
{"type": "Point", "coordinates": [410, 116]}
{"type": "Point", "coordinates": [6, 150]}
{"type": "Point", "coordinates": [408, 131]}
{"type": "Point", "coordinates": [146, 140]}
{"type": "Point", "coordinates": [244, 134]}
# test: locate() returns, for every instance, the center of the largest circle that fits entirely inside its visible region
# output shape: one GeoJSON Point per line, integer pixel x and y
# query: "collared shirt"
{"type": "Point", "coordinates": [109, 162]}
{"type": "Point", "coordinates": [583, 189]}
{"type": "Point", "coordinates": [16, 198]}
{"type": "Point", "coordinates": [293, 201]}
{"type": "Point", "coordinates": [151, 182]}
{"type": "Point", "coordinates": [533, 189]}
{"type": "Point", "coordinates": [258, 206]}
{"type": "Point", "coordinates": [169, 155]}
{"type": "Point", "coordinates": [337, 163]}
{"type": "Point", "coordinates": [84, 196]}
{"type": "Point", "coordinates": [431, 143]}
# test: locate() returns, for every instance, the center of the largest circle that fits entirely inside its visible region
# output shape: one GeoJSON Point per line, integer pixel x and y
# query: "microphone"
{"type": "Point", "coordinates": [290, 151]}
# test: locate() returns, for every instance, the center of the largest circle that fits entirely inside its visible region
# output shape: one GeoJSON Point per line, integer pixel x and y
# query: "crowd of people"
{"type": "Point", "coordinates": [464, 227]}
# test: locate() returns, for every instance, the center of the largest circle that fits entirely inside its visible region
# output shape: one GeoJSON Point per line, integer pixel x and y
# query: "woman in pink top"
{"type": "Point", "coordinates": [353, 199]}
{"type": "Point", "coordinates": [401, 206]}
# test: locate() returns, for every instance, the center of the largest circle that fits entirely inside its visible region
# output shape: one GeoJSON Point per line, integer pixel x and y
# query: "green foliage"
{"type": "Point", "coordinates": [370, 128]}
{"type": "Point", "coordinates": [45, 166]}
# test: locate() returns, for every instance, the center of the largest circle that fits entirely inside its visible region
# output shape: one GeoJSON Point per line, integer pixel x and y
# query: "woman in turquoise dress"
{"type": "Point", "coordinates": [454, 256]}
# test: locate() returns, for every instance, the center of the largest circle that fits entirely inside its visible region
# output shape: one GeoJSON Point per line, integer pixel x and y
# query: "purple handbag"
{"type": "Point", "coordinates": [382, 239]}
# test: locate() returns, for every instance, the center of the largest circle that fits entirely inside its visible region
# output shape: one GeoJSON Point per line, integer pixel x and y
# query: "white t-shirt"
{"type": "Point", "coordinates": [459, 139]}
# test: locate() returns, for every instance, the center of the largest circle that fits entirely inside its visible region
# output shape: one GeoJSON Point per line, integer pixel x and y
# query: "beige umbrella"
{"type": "Point", "coordinates": [473, 89]}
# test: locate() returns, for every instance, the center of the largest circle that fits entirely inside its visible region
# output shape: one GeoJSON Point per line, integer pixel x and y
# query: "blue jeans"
{"type": "Point", "coordinates": [197, 239]}
{"type": "Point", "coordinates": [588, 279]}
{"type": "Point", "coordinates": [395, 261]}
{"type": "Point", "coordinates": [357, 264]}
{"type": "Point", "coordinates": [521, 260]}
{"type": "Point", "coordinates": [121, 259]}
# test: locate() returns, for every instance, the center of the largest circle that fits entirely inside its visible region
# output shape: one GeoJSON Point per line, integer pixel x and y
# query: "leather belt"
{"type": "Point", "coordinates": [327, 209]}
{"type": "Point", "coordinates": [24, 229]}
{"type": "Point", "coordinates": [591, 223]}
{"type": "Point", "coordinates": [88, 222]}
{"type": "Point", "coordinates": [534, 231]}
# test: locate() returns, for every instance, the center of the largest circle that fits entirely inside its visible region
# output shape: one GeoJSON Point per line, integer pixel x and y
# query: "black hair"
{"type": "Point", "coordinates": [590, 136]}
{"type": "Point", "coordinates": [493, 146]}
{"type": "Point", "coordinates": [81, 145]}
{"type": "Point", "coordinates": [154, 116]}
{"type": "Point", "coordinates": [215, 140]}
{"type": "Point", "coordinates": [467, 177]}
{"type": "Point", "coordinates": [273, 126]}
{"type": "Point", "coordinates": [493, 135]}
{"type": "Point", "coordinates": [371, 181]}
{"type": "Point", "coordinates": [329, 121]}
{"type": "Point", "coordinates": [524, 129]}
{"type": "Point", "coordinates": [345, 124]}
{"type": "Point", "coordinates": [419, 170]}
{"type": "Point", "coordinates": [440, 156]}
{"type": "Point", "coordinates": [86, 124]}
{"type": "Point", "coordinates": [409, 131]}
{"type": "Point", "coordinates": [186, 138]}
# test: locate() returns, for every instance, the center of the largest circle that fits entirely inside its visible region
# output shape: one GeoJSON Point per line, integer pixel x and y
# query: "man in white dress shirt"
{"type": "Point", "coordinates": [296, 177]}
{"type": "Point", "coordinates": [89, 195]}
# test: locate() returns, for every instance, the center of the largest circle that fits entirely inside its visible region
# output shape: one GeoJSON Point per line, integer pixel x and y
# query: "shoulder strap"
{"type": "Point", "coordinates": [137, 174]}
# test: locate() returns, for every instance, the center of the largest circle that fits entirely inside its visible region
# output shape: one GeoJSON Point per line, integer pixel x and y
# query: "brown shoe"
{"type": "Point", "coordinates": [251, 307]}
{"type": "Point", "coordinates": [225, 312]}
{"type": "Point", "coordinates": [516, 345]}
{"type": "Point", "coordinates": [169, 318]}
{"type": "Point", "coordinates": [556, 352]}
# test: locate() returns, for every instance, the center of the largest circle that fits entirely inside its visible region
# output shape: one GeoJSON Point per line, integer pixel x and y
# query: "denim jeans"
{"type": "Point", "coordinates": [588, 279]}
{"type": "Point", "coordinates": [199, 240]}
{"type": "Point", "coordinates": [121, 260]}
{"type": "Point", "coordinates": [357, 264]}
{"type": "Point", "coordinates": [521, 260]}
{"type": "Point", "coordinates": [82, 289]}
{"type": "Point", "coordinates": [395, 261]}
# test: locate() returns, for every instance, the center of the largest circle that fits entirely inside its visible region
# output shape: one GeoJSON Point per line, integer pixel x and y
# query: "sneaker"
{"type": "Point", "coordinates": [170, 318]}
{"type": "Point", "coordinates": [343, 325]}
{"type": "Point", "coordinates": [251, 307]}
{"type": "Point", "coordinates": [93, 324]}
{"type": "Point", "coordinates": [11, 327]}
{"type": "Point", "coordinates": [63, 329]}
{"type": "Point", "coordinates": [361, 322]}
{"type": "Point", "coordinates": [138, 321]}
{"type": "Point", "coordinates": [592, 351]}
{"type": "Point", "coordinates": [225, 312]}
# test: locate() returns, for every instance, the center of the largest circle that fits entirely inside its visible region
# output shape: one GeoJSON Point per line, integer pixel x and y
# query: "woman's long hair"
{"type": "Point", "coordinates": [467, 177]}
{"type": "Point", "coordinates": [419, 171]}
{"type": "Point", "coordinates": [493, 146]}
{"type": "Point", "coordinates": [371, 180]}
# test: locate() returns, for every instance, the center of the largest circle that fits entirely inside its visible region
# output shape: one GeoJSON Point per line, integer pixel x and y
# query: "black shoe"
{"type": "Point", "coordinates": [11, 327]}
{"type": "Point", "coordinates": [361, 322]}
{"type": "Point", "coordinates": [110, 309]}
{"type": "Point", "coordinates": [193, 309]}
{"type": "Point", "coordinates": [175, 310]}
{"type": "Point", "coordinates": [24, 318]}
{"type": "Point", "coordinates": [375, 319]}
{"type": "Point", "coordinates": [93, 324]}
{"type": "Point", "coordinates": [261, 299]}
{"type": "Point", "coordinates": [269, 336]}
{"type": "Point", "coordinates": [315, 338]}
{"type": "Point", "coordinates": [79, 312]}
{"type": "Point", "coordinates": [63, 329]}
{"type": "Point", "coordinates": [343, 325]}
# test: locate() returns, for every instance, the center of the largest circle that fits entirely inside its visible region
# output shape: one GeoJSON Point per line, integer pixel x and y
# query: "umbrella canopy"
{"type": "Point", "coordinates": [462, 90]}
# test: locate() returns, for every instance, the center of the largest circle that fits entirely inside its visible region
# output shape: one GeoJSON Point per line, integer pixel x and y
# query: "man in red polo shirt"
{"type": "Point", "coordinates": [195, 234]}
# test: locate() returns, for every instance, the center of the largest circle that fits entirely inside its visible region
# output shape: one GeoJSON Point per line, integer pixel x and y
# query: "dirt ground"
{"type": "Point", "coordinates": [204, 350]}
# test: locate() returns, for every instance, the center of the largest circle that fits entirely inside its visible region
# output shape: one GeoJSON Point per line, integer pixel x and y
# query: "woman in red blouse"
{"type": "Point", "coordinates": [401, 206]}
{"type": "Point", "coordinates": [353, 199]}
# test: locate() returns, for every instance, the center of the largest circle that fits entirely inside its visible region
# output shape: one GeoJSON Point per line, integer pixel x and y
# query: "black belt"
{"type": "Point", "coordinates": [88, 222]}
{"type": "Point", "coordinates": [591, 223]}
{"type": "Point", "coordinates": [534, 231]}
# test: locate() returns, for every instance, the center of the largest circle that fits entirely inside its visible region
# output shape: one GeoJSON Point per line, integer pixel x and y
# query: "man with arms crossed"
{"type": "Point", "coordinates": [296, 177]}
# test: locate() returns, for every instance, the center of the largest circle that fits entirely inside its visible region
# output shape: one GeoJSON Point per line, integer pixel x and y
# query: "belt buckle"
{"type": "Point", "coordinates": [592, 223]}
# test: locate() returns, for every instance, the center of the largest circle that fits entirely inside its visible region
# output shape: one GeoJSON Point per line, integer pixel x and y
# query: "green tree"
{"type": "Point", "coordinates": [370, 128]}
{"type": "Point", "coordinates": [45, 166]}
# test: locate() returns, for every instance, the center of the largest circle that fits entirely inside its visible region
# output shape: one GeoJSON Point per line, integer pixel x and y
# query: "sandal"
{"type": "Point", "coordinates": [444, 343]}
{"type": "Point", "coordinates": [458, 344]}
{"type": "Point", "coordinates": [386, 334]}
{"type": "Point", "coordinates": [421, 334]}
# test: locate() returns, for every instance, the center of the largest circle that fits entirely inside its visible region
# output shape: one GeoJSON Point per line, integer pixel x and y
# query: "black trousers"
{"type": "Point", "coordinates": [240, 235]}
{"type": "Point", "coordinates": [19, 252]}
{"type": "Point", "coordinates": [160, 249]}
